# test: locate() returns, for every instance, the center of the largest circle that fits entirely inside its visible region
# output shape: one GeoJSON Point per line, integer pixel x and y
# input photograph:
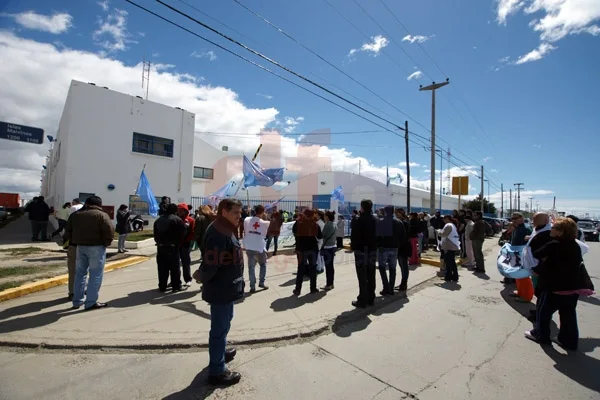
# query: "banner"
{"type": "Point", "coordinates": [286, 236]}
{"type": "Point", "coordinates": [510, 262]}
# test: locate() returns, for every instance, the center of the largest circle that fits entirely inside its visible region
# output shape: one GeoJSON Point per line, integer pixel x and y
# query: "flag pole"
{"type": "Point", "coordinates": [247, 192]}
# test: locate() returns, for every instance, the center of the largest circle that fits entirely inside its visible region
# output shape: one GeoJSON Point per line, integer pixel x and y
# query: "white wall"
{"type": "Point", "coordinates": [96, 147]}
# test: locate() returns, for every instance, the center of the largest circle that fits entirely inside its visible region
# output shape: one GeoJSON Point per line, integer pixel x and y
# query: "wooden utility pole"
{"type": "Point", "coordinates": [433, 87]}
{"type": "Point", "coordinates": [518, 185]}
{"type": "Point", "coordinates": [501, 200]}
{"type": "Point", "coordinates": [407, 167]}
{"type": "Point", "coordinates": [482, 189]}
{"type": "Point", "coordinates": [510, 208]}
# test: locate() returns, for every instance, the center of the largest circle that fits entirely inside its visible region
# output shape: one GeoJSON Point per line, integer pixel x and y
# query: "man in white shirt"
{"type": "Point", "coordinates": [75, 206]}
{"type": "Point", "coordinates": [255, 232]}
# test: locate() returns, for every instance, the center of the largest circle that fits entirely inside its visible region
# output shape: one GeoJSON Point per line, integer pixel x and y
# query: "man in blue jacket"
{"type": "Point", "coordinates": [222, 276]}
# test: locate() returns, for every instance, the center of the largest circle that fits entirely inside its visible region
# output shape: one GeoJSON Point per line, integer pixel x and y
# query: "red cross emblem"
{"type": "Point", "coordinates": [256, 225]}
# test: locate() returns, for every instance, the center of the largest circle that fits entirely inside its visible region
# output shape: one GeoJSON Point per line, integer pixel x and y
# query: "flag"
{"type": "Point", "coordinates": [144, 191]}
{"type": "Point", "coordinates": [276, 174]}
{"type": "Point", "coordinates": [398, 178]}
{"type": "Point", "coordinates": [254, 175]}
{"type": "Point", "coordinates": [222, 192]}
{"type": "Point", "coordinates": [387, 175]}
{"type": "Point", "coordinates": [338, 194]}
{"type": "Point", "coordinates": [270, 206]}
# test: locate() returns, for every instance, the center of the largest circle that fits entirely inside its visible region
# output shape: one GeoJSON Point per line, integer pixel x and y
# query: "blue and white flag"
{"type": "Point", "coordinates": [223, 192]}
{"type": "Point", "coordinates": [254, 175]}
{"type": "Point", "coordinates": [338, 194]}
{"type": "Point", "coordinates": [398, 178]}
{"type": "Point", "coordinates": [144, 191]}
{"type": "Point", "coordinates": [270, 206]}
{"type": "Point", "coordinates": [276, 174]}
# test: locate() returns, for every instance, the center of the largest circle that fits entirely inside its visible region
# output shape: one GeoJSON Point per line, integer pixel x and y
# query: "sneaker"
{"type": "Point", "coordinates": [227, 378]}
{"type": "Point", "coordinates": [263, 287]}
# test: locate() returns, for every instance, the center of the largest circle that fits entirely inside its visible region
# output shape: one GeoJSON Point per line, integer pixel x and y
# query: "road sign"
{"type": "Point", "coordinates": [21, 133]}
{"type": "Point", "coordinates": [460, 185]}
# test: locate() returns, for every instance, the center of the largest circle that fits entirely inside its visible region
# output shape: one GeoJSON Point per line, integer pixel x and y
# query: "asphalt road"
{"type": "Point", "coordinates": [443, 342]}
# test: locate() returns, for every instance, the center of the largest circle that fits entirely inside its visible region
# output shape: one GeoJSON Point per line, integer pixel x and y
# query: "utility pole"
{"type": "Point", "coordinates": [488, 196]}
{"type": "Point", "coordinates": [481, 193]}
{"type": "Point", "coordinates": [510, 209]}
{"type": "Point", "coordinates": [501, 200]}
{"type": "Point", "coordinates": [531, 204]}
{"type": "Point", "coordinates": [146, 75]}
{"type": "Point", "coordinates": [518, 185]}
{"type": "Point", "coordinates": [433, 87]}
{"type": "Point", "coordinates": [441, 181]}
{"type": "Point", "coordinates": [407, 167]}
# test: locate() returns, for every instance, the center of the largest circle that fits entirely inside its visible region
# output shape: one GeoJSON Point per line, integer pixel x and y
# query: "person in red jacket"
{"type": "Point", "coordinates": [186, 245]}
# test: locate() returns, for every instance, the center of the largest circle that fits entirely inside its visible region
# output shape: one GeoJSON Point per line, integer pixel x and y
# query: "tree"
{"type": "Point", "coordinates": [475, 205]}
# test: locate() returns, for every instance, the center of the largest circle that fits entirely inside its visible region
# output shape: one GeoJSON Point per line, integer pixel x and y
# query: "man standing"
{"type": "Point", "coordinates": [39, 213]}
{"type": "Point", "coordinates": [477, 237]}
{"type": "Point", "coordinates": [389, 236]}
{"type": "Point", "coordinates": [519, 238]}
{"type": "Point", "coordinates": [404, 250]}
{"type": "Point", "coordinates": [222, 276]}
{"type": "Point", "coordinates": [186, 246]}
{"type": "Point", "coordinates": [364, 244]}
{"type": "Point", "coordinates": [274, 229]}
{"type": "Point", "coordinates": [169, 232]}
{"type": "Point", "coordinates": [437, 222]}
{"type": "Point", "coordinates": [537, 240]}
{"type": "Point", "coordinates": [75, 206]}
{"type": "Point", "coordinates": [92, 231]}
{"type": "Point", "coordinates": [255, 231]}
{"type": "Point", "coordinates": [162, 207]}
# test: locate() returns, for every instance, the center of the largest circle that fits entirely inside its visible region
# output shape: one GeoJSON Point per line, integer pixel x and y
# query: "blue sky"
{"type": "Point", "coordinates": [529, 117]}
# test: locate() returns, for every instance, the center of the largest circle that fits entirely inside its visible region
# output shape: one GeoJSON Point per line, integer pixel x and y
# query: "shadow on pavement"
{"type": "Point", "coordinates": [46, 259]}
{"type": "Point", "coordinates": [190, 306]}
{"type": "Point", "coordinates": [521, 308]}
{"type": "Point", "coordinates": [32, 307]}
{"type": "Point", "coordinates": [482, 275]}
{"type": "Point", "coordinates": [289, 303]}
{"type": "Point", "coordinates": [452, 286]}
{"type": "Point", "coordinates": [578, 366]}
{"type": "Point", "coordinates": [343, 326]}
{"type": "Point", "coordinates": [590, 300]}
{"type": "Point", "coordinates": [151, 296]}
{"type": "Point", "coordinates": [198, 389]}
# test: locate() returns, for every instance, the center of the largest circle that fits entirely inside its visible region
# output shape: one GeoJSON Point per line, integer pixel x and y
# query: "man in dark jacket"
{"type": "Point", "coordinates": [169, 232]}
{"type": "Point", "coordinates": [38, 212]}
{"type": "Point", "coordinates": [437, 222]}
{"type": "Point", "coordinates": [390, 233]}
{"type": "Point", "coordinates": [541, 236]}
{"type": "Point", "coordinates": [404, 249]}
{"type": "Point", "coordinates": [520, 232]}
{"type": "Point", "coordinates": [477, 238]}
{"type": "Point", "coordinates": [222, 276]}
{"type": "Point", "coordinates": [91, 229]}
{"type": "Point", "coordinates": [183, 212]}
{"type": "Point", "coordinates": [306, 233]}
{"type": "Point", "coordinates": [162, 207]}
{"type": "Point", "coordinates": [364, 245]}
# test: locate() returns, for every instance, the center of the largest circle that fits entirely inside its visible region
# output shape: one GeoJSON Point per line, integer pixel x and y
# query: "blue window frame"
{"type": "Point", "coordinates": [154, 145]}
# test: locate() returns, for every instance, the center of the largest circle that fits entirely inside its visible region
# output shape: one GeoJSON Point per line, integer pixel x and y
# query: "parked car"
{"type": "Point", "coordinates": [590, 232]}
{"type": "Point", "coordinates": [3, 213]}
{"type": "Point", "coordinates": [494, 224]}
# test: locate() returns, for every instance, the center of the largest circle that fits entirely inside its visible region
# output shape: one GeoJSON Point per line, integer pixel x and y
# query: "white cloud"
{"type": "Point", "coordinates": [416, 38]}
{"type": "Point", "coordinates": [104, 4]}
{"type": "Point", "coordinates": [266, 96]}
{"type": "Point", "coordinates": [495, 171]}
{"type": "Point", "coordinates": [486, 159]}
{"type": "Point", "coordinates": [536, 54]}
{"type": "Point", "coordinates": [112, 34]}
{"type": "Point", "coordinates": [412, 164]}
{"type": "Point", "coordinates": [56, 23]}
{"type": "Point", "coordinates": [217, 108]}
{"type": "Point", "coordinates": [414, 75]}
{"type": "Point", "coordinates": [291, 123]}
{"type": "Point", "coordinates": [537, 146]}
{"type": "Point", "coordinates": [205, 54]}
{"type": "Point", "coordinates": [506, 8]}
{"type": "Point", "coordinates": [376, 44]}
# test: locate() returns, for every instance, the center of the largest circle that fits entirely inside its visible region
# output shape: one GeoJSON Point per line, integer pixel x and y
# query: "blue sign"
{"type": "Point", "coordinates": [21, 133]}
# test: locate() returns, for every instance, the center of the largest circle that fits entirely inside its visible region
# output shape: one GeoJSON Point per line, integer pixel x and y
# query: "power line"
{"type": "Point", "coordinates": [257, 65]}
{"type": "Point", "coordinates": [267, 132]}
{"type": "Point", "coordinates": [276, 63]}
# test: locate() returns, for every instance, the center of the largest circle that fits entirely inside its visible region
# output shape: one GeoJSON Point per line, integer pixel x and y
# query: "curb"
{"type": "Point", "coordinates": [326, 326]}
{"type": "Point", "coordinates": [44, 284]}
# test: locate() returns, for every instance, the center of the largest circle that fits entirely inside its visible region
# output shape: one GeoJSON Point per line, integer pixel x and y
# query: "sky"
{"type": "Point", "coordinates": [522, 98]}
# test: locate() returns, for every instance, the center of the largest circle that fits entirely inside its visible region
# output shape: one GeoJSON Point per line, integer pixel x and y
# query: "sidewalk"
{"type": "Point", "coordinates": [139, 316]}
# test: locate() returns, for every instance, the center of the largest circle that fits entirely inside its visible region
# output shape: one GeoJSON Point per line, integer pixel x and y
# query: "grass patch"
{"type": "Point", "coordinates": [10, 284]}
{"type": "Point", "coordinates": [27, 270]}
{"type": "Point", "coordinates": [22, 251]}
{"type": "Point", "coordinates": [138, 236]}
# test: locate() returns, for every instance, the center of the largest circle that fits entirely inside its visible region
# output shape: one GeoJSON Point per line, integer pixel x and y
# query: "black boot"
{"type": "Point", "coordinates": [227, 378]}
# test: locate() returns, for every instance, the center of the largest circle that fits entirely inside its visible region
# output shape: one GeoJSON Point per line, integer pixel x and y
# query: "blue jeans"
{"type": "Point", "coordinates": [274, 238]}
{"type": "Point", "coordinates": [253, 258]}
{"type": "Point", "coordinates": [387, 261]}
{"type": "Point", "coordinates": [220, 323]}
{"type": "Point", "coordinates": [92, 259]}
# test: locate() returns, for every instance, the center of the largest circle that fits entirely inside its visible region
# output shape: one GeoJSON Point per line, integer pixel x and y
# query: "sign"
{"type": "Point", "coordinates": [21, 133]}
{"type": "Point", "coordinates": [460, 185]}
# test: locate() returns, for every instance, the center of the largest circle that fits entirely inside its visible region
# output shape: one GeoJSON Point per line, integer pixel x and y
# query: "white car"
{"type": "Point", "coordinates": [3, 213]}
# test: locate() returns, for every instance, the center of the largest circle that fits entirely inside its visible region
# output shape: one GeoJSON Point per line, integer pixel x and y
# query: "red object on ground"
{"type": "Point", "coordinates": [525, 288]}
{"type": "Point", "coordinates": [12, 201]}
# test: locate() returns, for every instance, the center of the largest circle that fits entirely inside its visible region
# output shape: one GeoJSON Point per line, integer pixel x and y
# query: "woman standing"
{"type": "Point", "coordinates": [413, 235]}
{"type": "Point", "coordinates": [558, 285]}
{"type": "Point", "coordinates": [320, 217]}
{"type": "Point", "coordinates": [204, 219]}
{"type": "Point", "coordinates": [450, 245]}
{"type": "Point", "coordinates": [123, 227]}
{"type": "Point", "coordinates": [306, 232]}
{"type": "Point", "coordinates": [328, 248]}
{"type": "Point", "coordinates": [62, 216]}
{"type": "Point", "coordinates": [340, 232]}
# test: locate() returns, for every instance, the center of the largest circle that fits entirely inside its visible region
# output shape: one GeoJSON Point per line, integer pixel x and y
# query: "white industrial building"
{"type": "Point", "coordinates": [105, 139]}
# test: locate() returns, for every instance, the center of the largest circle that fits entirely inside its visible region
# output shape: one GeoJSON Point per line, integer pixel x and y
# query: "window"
{"type": "Point", "coordinates": [204, 173]}
{"type": "Point", "coordinates": [84, 196]}
{"type": "Point", "coordinates": [152, 145]}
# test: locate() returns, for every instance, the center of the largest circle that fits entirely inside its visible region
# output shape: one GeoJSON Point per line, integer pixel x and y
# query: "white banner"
{"type": "Point", "coordinates": [286, 236]}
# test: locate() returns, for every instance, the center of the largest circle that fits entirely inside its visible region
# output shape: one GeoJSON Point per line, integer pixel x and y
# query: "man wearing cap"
{"type": "Point", "coordinates": [186, 245]}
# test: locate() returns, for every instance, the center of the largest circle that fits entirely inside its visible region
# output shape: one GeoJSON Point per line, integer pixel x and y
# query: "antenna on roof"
{"type": "Point", "coordinates": [146, 75]}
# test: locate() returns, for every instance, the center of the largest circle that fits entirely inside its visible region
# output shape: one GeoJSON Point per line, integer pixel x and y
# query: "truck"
{"type": "Point", "coordinates": [10, 201]}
